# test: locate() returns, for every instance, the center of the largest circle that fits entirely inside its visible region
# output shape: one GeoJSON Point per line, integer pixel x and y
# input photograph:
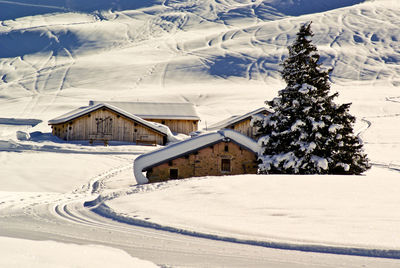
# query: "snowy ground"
{"type": "Point", "coordinates": [43, 254]}
{"type": "Point", "coordinates": [325, 210]}
{"type": "Point", "coordinates": [223, 56]}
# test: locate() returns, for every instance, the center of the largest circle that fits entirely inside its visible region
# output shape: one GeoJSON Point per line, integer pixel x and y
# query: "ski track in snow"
{"type": "Point", "coordinates": [263, 37]}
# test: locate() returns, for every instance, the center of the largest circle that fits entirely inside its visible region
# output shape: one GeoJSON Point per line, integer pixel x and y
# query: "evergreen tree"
{"type": "Point", "coordinates": [308, 133]}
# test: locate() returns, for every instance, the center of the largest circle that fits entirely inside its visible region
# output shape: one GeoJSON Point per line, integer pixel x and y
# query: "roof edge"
{"type": "Point", "coordinates": [149, 160]}
{"type": "Point", "coordinates": [90, 109]}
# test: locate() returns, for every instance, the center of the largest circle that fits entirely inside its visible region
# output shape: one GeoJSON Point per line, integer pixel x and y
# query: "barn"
{"type": "Point", "coordinates": [225, 152]}
{"type": "Point", "coordinates": [240, 123]}
{"type": "Point", "coordinates": [105, 122]}
{"type": "Point", "coordinates": [179, 117]}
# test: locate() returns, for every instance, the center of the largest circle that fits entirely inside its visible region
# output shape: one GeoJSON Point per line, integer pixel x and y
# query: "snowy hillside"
{"type": "Point", "coordinates": [221, 55]}
{"type": "Point", "coordinates": [68, 53]}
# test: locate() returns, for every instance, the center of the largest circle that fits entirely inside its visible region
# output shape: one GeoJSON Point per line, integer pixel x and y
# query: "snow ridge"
{"type": "Point", "coordinates": [106, 211]}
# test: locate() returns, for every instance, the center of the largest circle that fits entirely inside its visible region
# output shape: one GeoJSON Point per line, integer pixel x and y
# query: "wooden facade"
{"type": "Point", "coordinates": [245, 128]}
{"type": "Point", "coordinates": [241, 123]}
{"type": "Point", "coordinates": [222, 158]}
{"type": "Point", "coordinates": [106, 125]}
{"type": "Point", "coordinates": [179, 117]}
{"type": "Point", "coordinates": [176, 125]}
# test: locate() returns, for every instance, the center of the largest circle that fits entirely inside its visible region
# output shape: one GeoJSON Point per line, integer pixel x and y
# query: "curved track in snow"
{"type": "Point", "coordinates": [62, 217]}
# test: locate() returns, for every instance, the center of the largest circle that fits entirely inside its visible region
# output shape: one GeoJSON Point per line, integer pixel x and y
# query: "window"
{"type": "Point", "coordinates": [173, 173]}
{"type": "Point", "coordinates": [226, 148]}
{"type": "Point", "coordinates": [225, 165]}
{"type": "Point", "coordinates": [104, 125]}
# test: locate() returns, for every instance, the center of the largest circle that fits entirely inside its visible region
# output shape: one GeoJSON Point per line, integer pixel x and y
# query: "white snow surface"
{"type": "Point", "coordinates": [156, 110]}
{"type": "Point", "coordinates": [350, 211]}
{"type": "Point", "coordinates": [222, 56]}
{"type": "Point", "coordinates": [49, 254]}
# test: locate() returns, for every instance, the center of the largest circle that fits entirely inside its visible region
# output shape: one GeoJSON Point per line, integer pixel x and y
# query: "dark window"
{"type": "Point", "coordinates": [163, 122]}
{"type": "Point", "coordinates": [148, 173]}
{"type": "Point", "coordinates": [170, 163]}
{"type": "Point", "coordinates": [104, 125]}
{"type": "Point", "coordinates": [226, 165]}
{"type": "Point", "coordinates": [226, 148]}
{"type": "Point", "coordinates": [173, 173]}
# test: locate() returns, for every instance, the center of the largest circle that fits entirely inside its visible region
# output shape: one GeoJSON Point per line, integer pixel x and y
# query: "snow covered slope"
{"type": "Point", "coordinates": [68, 53]}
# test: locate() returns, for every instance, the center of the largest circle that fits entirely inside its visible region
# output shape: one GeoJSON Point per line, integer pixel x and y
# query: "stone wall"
{"type": "Point", "coordinates": [208, 162]}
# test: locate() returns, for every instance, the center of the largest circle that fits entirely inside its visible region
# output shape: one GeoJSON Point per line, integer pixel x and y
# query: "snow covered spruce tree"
{"type": "Point", "coordinates": [308, 133]}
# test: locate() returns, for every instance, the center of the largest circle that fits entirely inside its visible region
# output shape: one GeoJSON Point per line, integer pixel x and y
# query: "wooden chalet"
{"type": "Point", "coordinates": [240, 123]}
{"type": "Point", "coordinates": [105, 122]}
{"type": "Point", "coordinates": [225, 152]}
{"type": "Point", "coordinates": [179, 117]}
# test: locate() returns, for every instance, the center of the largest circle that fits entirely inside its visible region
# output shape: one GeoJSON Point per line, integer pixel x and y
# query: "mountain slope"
{"type": "Point", "coordinates": [65, 58]}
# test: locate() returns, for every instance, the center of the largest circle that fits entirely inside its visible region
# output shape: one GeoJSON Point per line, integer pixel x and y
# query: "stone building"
{"type": "Point", "coordinates": [225, 152]}
{"type": "Point", "coordinates": [240, 123]}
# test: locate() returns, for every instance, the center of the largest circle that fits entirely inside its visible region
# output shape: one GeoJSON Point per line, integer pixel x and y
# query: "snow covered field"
{"type": "Point", "coordinates": [26, 253]}
{"type": "Point", "coordinates": [223, 56]}
{"type": "Point", "coordinates": [356, 211]}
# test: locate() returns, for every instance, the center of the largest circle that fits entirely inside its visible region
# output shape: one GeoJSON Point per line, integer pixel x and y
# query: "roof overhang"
{"type": "Point", "coordinates": [85, 111]}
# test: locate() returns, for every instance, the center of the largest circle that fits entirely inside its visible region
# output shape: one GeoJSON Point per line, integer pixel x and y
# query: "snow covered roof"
{"type": "Point", "coordinates": [156, 110]}
{"type": "Point", "coordinates": [236, 119]}
{"type": "Point", "coordinates": [176, 150]}
{"type": "Point", "coordinates": [162, 129]}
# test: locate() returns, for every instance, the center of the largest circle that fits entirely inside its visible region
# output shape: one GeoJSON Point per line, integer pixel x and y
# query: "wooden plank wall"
{"type": "Point", "coordinates": [245, 128]}
{"type": "Point", "coordinates": [123, 129]}
{"type": "Point", "coordinates": [178, 126]}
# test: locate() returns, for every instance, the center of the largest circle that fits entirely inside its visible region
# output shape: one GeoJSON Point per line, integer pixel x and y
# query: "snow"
{"type": "Point", "coordinates": [35, 254]}
{"type": "Point", "coordinates": [305, 88]}
{"type": "Point", "coordinates": [317, 125]}
{"type": "Point", "coordinates": [348, 211]}
{"type": "Point", "coordinates": [319, 162]}
{"type": "Point", "coordinates": [156, 110]}
{"type": "Point", "coordinates": [296, 126]}
{"type": "Point", "coordinates": [334, 127]}
{"type": "Point", "coordinates": [222, 56]}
